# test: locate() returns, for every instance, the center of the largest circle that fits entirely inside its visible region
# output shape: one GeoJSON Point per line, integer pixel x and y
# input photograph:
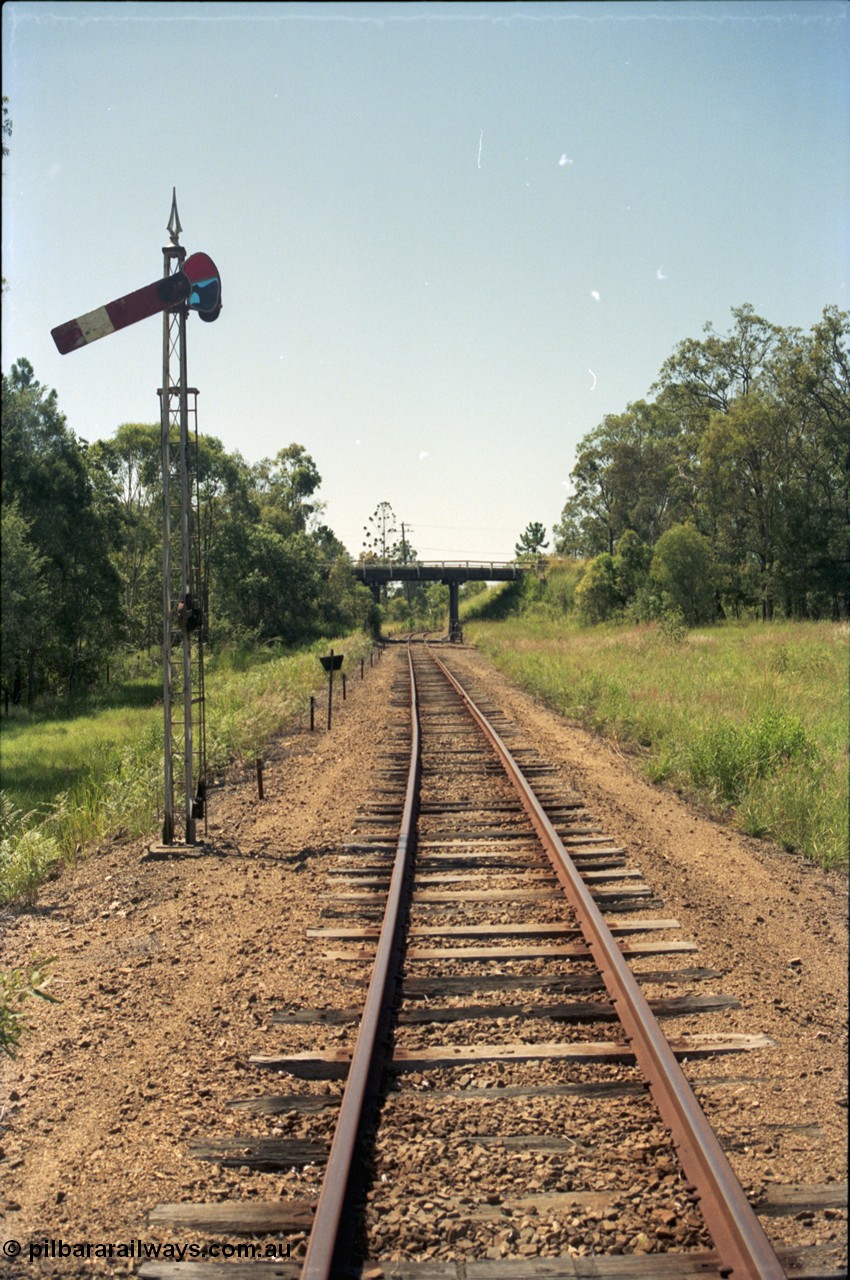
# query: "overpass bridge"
{"type": "Point", "coordinates": [377, 573]}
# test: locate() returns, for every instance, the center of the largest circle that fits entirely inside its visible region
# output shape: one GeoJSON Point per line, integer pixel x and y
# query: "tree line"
{"type": "Point", "coordinates": [734, 477]}
{"type": "Point", "coordinates": [727, 493]}
{"type": "Point", "coordinates": [82, 547]}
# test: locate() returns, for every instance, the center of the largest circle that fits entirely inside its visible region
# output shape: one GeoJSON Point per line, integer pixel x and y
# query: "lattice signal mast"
{"type": "Point", "coordinates": [188, 284]}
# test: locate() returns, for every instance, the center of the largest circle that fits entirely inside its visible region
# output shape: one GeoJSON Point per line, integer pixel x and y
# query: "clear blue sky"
{"type": "Point", "coordinates": [451, 236]}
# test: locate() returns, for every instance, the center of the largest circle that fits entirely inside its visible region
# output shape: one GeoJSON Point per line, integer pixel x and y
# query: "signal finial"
{"type": "Point", "coordinates": [174, 227]}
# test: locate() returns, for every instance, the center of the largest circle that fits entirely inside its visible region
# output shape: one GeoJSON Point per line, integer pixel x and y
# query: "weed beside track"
{"type": "Point", "coordinates": [748, 720]}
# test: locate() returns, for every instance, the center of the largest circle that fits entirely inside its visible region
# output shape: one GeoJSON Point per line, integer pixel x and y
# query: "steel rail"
{"type": "Point", "coordinates": [365, 1065]}
{"type": "Point", "coordinates": [744, 1250]}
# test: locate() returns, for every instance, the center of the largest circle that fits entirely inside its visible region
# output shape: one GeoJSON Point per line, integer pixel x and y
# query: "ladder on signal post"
{"type": "Point", "coordinates": [184, 700]}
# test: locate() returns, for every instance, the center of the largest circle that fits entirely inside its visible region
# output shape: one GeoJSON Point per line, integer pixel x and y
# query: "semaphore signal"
{"type": "Point", "coordinates": [188, 284]}
{"type": "Point", "coordinates": [196, 283]}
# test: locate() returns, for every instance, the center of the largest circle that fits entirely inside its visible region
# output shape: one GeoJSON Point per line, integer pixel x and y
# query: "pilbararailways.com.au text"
{"type": "Point", "coordinates": [35, 1250]}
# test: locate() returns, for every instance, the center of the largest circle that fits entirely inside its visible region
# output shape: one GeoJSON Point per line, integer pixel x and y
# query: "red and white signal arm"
{"type": "Point", "coordinates": [197, 284]}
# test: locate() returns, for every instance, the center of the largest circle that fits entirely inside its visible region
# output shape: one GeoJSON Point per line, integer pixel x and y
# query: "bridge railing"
{"type": "Point", "coordinates": [378, 563]}
{"type": "Point", "coordinates": [375, 570]}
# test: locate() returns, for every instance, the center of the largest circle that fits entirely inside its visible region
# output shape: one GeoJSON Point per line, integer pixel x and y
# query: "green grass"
{"type": "Point", "coordinates": [750, 720]}
{"type": "Point", "coordinates": [247, 708]}
{"type": "Point", "coordinates": [71, 780]}
{"type": "Point", "coordinates": [43, 756]}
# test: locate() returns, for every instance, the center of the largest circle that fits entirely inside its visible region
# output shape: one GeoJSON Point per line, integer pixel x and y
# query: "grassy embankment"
{"type": "Point", "coordinates": [749, 720]}
{"type": "Point", "coordinates": [76, 776]}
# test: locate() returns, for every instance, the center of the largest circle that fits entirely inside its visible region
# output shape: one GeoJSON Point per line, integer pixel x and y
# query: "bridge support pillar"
{"type": "Point", "coordinates": [455, 629]}
{"type": "Point", "coordinates": [376, 592]}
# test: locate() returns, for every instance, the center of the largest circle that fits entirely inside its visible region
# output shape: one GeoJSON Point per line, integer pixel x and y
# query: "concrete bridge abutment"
{"type": "Point", "coordinates": [455, 629]}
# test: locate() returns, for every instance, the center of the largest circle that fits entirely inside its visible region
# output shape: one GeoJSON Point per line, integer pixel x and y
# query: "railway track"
{"type": "Point", "coordinates": [508, 1106]}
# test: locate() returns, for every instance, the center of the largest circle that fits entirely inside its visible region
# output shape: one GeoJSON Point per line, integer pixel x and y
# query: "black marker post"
{"type": "Point", "coordinates": [331, 663]}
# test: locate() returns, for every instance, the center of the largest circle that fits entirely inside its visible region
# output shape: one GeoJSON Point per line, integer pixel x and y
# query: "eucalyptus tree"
{"type": "Point", "coordinates": [71, 524]}
{"type": "Point", "coordinates": [752, 458]}
{"type": "Point", "coordinates": [284, 487]}
{"type": "Point", "coordinates": [132, 458]}
{"type": "Point", "coordinates": [636, 471]}
{"type": "Point", "coordinates": [812, 374]}
{"type": "Point", "coordinates": [710, 372]}
{"type": "Point", "coordinates": [748, 441]}
{"type": "Point", "coordinates": [24, 601]}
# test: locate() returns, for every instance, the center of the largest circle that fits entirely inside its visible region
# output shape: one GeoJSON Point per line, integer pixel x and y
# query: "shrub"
{"type": "Point", "coordinates": [683, 566]}
{"type": "Point", "coordinates": [596, 595]}
{"type": "Point", "coordinates": [631, 565]}
{"type": "Point", "coordinates": [672, 626]}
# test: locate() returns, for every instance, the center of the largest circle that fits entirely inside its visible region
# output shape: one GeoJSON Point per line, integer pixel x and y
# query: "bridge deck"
{"type": "Point", "coordinates": [445, 571]}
